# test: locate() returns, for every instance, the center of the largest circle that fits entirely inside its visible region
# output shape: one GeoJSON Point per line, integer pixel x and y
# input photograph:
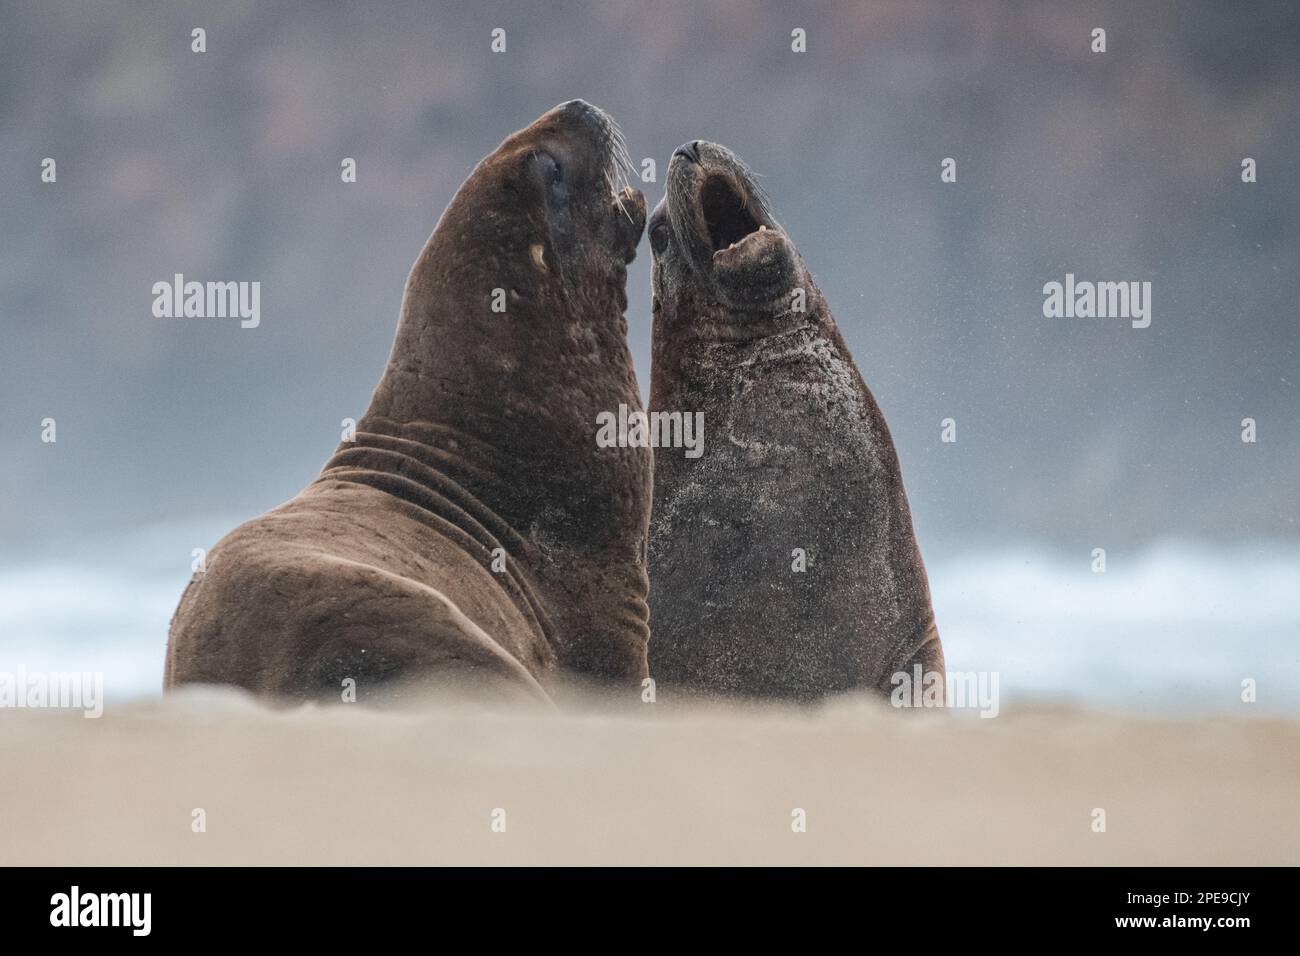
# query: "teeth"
{"type": "Point", "coordinates": [743, 238]}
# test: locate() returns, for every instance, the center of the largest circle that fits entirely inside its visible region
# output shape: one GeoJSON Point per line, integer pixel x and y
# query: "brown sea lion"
{"type": "Point", "coordinates": [782, 559]}
{"type": "Point", "coordinates": [473, 534]}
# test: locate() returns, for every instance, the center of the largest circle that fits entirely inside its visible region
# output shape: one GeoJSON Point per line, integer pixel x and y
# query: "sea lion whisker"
{"type": "Point", "coordinates": [620, 163]}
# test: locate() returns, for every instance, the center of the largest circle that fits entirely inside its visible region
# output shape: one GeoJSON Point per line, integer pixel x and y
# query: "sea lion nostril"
{"type": "Point", "coordinates": [689, 151]}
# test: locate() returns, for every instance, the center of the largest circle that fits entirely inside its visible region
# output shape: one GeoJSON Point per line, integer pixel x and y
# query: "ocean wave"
{"type": "Point", "coordinates": [1172, 630]}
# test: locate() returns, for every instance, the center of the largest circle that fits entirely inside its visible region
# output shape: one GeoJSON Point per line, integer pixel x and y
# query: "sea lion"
{"type": "Point", "coordinates": [782, 560]}
{"type": "Point", "coordinates": [473, 533]}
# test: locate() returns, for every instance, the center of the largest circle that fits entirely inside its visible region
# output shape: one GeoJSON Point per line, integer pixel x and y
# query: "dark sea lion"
{"type": "Point", "coordinates": [473, 534]}
{"type": "Point", "coordinates": [797, 456]}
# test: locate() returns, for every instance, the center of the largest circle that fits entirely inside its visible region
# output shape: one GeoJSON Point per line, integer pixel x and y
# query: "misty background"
{"type": "Point", "coordinates": [1073, 434]}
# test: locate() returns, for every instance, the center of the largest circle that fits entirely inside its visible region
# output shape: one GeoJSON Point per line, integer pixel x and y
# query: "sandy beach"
{"type": "Point", "coordinates": [658, 786]}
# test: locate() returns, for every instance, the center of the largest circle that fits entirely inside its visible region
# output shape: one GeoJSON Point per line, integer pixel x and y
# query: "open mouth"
{"type": "Point", "coordinates": [726, 213]}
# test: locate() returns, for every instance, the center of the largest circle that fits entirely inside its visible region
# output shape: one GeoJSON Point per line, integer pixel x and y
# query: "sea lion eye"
{"type": "Point", "coordinates": [548, 170]}
{"type": "Point", "coordinates": [549, 173]}
{"type": "Point", "coordinates": [659, 236]}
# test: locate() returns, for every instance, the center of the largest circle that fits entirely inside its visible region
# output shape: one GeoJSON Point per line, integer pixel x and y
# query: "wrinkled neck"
{"type": "Point", "coordinates": [499, 410]}
{"type": "Point", "coordinates": [497, 449]}
{"type": "Point", "coordinates": [694, 340]}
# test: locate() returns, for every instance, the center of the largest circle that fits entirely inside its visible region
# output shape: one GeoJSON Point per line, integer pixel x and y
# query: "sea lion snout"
{"type": "Point", "coordinates": [716, 224]}
{"type": "Point", "coordinates": [559, 192]}
{"type": "Point", "coordinates": [629, 221]}
{"type": "Point", "coordinates": [689, 151]}
{"type": "Point", "coordinates": [582, 112]}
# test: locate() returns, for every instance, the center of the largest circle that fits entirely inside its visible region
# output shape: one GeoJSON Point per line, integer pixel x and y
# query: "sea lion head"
{"type": "Point", "coordinates": [514, 309]}
{"type": "Point", "coordinates": [549, 213]}
{"type": "Point", "coordinates": [715, 240]}
{"type": "Point", "coordinates": [513, 337]}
